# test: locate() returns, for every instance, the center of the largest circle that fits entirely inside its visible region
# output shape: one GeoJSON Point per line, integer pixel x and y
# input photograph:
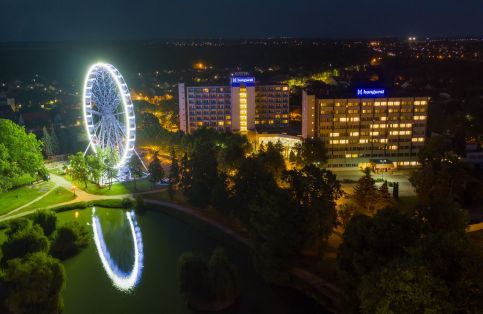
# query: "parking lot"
{"type": "Point", "coordinates": [400, 176]}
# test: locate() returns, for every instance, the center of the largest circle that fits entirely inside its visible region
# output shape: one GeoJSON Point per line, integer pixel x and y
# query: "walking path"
{"type": "Point", "coordinates": [314, 282]}
{"type": "Point", "coordinates": [81, 196]}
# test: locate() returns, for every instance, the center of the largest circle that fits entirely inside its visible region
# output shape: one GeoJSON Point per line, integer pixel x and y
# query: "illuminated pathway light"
{"type": "Point", "coordinates": [120, 279]}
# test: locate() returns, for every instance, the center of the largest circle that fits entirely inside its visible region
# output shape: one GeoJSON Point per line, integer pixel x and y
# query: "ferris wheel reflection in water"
{"type": "Point", "coordinates": [124, 281]}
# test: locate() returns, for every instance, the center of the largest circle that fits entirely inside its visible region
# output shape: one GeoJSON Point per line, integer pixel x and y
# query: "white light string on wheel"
{"type": "Point", "coordinates": [124, 281]}
{"type": "Point", "coordinates": [109, 112]}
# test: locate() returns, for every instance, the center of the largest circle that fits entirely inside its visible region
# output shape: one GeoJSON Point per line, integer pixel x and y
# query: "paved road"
{"type": "Point", "coordinates": [401, 176]}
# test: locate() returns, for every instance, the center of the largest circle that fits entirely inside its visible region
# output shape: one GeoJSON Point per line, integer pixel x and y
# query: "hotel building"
{"type": "Point", "coordinates": [361, 130]}
{"type": "Point", "coordinates": [241, 106]}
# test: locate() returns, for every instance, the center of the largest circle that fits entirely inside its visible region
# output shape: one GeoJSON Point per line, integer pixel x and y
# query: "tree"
{"type": "Point", "coordinates": [220, 196]}
{"type": "Point", "coordinates": [95, 166]}
{"type": "Point", "coordinates": [404, 286]}
{"type": "Point", "coordinates": [316, 191]}
{"type": "Point", "coordinates": [276, 231]}
{"type": "Point", "coordinates": [313, 151]}
{"type": "Point", "coordinates": [25, 241]}
{"type": "Point", "coordinates": [54, 140]}
{"type": "Point", "coordinates": [47, 141]}
{"type": "Point", "coordinates": [384, 197]}
{"type": "Point", "coordinates": [251, 184]}
{"type": "Point", "coordinates": [136, 168]}
{"type": "Point", "coordinates": [204, 174]}
{"type": "Point", "coordinates": [292, 157]}
{"type": "Point", "coordinates": [365, 193]}
{"type": "Point", "coordinates": [68, 239]}
{"type": "Point", "coordinates": [78, 166]}
{"type": "Point", "coordinates": [224, 279]}
{"type": "Point", "coordinates": [8, 170]}
{"type": "Point", "coordinates": [232, 150]}
{"type": "Point", "coordinates": [156, 171]}
{"type": "Point", "coordinates": [272, 159]}
{"type": "Point", "coordinates": [368, 245]}
{"type": "Point", "coordinates": [34, 284]}
{"type": "Point", "coordinates": [20, 154]}
{"type": "Point", "coordinates": [185, 174]}
{"type": "Point", "coordinates": [47, 220]}
{"type": "Point", "coordinates": [174, 173]}
{"type": "Point", "coordinates": [110, 161]}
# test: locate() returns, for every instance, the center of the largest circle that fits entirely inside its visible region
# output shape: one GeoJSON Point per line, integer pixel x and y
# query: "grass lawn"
{"type": "Point", "coordinates": [14, 198]}
{"type": "Point", "coordinates": [118, 188]}
{"type": "Point", "coordinates": [59, 195]}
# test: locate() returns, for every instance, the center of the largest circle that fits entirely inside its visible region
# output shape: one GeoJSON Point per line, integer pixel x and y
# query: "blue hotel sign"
{"type": "Point", "coordinates": [236, 81]}
{"type": "Point", "coordinates": [370, 92]}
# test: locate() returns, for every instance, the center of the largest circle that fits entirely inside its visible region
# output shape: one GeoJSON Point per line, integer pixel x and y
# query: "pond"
{"type": "Point", "coordinates": [164, 239]}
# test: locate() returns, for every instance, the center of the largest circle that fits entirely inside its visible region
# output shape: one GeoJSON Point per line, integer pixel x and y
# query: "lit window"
{"type": "Point", "coordinates": [334, 134]}
{"type": "Point", "coordinates": [354, 134]}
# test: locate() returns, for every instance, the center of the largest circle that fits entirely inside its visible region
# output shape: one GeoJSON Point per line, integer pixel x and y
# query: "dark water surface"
{"type": "Point", "coordinates": [89, 289]}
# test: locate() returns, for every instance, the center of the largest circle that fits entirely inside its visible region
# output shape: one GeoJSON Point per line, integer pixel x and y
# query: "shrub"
{"type": "Point", "coordinates": [68, 240]}
{"type": "Point", "coordinates": [77, 205]}
{"type": "Point", "coordinates": [27, 240]}
{"type": "Point", "coordinates": [47, 220]}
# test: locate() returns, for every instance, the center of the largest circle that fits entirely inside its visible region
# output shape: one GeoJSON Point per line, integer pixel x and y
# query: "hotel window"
{"type": "Point", "coordinates": [354, 119]}
{"type": "Point", "coordinates": [354, 134]}
{"type": "Point", "coordinates": [343, 119]}
{"type": "Point", "coordinates": [419, 117]}
{"type": "Point", "coordinates": [363, 141]}
{"type": "Point", "coordinates": [393, 147]}
{"type": "Point", "coordinates": [374, 133]}
{"type": "Point", "coordinates": [334, 134]}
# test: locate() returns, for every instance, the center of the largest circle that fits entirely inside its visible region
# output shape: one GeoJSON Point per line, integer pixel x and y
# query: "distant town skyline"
{"type": "Point", "coordinates": [30, 20]}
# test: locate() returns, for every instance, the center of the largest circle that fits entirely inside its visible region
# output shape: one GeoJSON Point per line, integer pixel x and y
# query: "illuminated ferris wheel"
{"type": "Point", "coordinates": [109, 112]}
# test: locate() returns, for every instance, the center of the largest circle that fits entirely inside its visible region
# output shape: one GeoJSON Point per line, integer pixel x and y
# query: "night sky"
{"type": "Point", "coordinates": [23, 20]}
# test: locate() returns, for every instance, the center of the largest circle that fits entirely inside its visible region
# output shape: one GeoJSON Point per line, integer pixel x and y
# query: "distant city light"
{"type": "Point", "coordinates": [120, 279]}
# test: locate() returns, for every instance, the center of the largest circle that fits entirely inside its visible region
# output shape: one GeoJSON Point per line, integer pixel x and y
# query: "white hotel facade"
{"type": "Point", "coordinates": [358, 130]}
{"type": "Point", "coordinates": [241, 106]}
